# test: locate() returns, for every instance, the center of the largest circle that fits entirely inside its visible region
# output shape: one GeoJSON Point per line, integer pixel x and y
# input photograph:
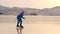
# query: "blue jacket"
{"type": "Point", "coordinates": [19, 16]}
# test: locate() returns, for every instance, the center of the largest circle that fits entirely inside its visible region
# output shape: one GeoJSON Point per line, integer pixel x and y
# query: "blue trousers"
{"type": "Point", "coordinates": [19, 21]}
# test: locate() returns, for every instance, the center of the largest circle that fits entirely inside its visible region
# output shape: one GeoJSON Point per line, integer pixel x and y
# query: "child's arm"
{"type": "Point", "coordinates": [23, 17]}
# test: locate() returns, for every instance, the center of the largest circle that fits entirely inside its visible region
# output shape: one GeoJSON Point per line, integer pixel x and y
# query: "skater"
{"type": "Point", "coordinates": [19, 19]}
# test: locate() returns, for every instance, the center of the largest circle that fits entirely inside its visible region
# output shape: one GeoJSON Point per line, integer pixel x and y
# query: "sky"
{"type": "Point", "coordinates": [40, 4]}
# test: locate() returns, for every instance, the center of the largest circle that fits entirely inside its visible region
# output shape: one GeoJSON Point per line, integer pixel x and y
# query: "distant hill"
{"type": "Point", "coordinates": [55, 11]}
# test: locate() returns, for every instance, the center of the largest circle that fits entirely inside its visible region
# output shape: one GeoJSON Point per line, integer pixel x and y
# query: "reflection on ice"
{"type": "Point", "coordinates": [19, 30]}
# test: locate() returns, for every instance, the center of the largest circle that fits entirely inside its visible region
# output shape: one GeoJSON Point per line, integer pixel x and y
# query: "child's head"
{"type": "Point", "coordinates": [22, 11]}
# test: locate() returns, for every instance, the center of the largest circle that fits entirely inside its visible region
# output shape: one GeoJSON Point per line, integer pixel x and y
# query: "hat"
{"type": "Point", "coordinates": [22, 11]}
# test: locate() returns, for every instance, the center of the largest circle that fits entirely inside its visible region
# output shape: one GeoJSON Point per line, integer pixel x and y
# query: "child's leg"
{"type": "Point", "coordinates": [21, 25]}
{"type": "Point", "coordinates": [18, 24]}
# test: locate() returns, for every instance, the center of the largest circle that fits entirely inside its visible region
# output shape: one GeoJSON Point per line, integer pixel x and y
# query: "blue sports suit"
{"type": "Point", "coordinates": [19, 18]}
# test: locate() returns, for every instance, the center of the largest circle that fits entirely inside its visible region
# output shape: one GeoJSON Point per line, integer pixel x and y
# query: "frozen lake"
{"type": "Point", "coordinates": [32, 25]}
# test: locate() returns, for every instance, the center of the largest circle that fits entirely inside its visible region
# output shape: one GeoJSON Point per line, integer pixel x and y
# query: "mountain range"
{"type": "Point", "coordinates": [55, 11]}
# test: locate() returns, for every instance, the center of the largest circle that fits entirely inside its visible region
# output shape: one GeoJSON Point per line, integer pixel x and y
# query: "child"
{"type": "Point", "coordinates": [19, 18]}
